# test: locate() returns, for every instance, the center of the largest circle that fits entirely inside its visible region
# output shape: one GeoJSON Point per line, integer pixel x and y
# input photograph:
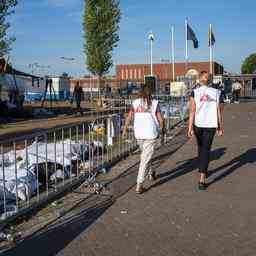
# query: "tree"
{"type": "Point", "coordinates": [249, 64]}
{"type": "Point", "coordinates": [6, 9]}
{"type": "Point", "coordinates": [101, 27]}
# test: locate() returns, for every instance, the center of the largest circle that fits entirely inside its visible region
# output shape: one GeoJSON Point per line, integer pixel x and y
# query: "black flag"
{"type": "Point", "coordinates": [211, 37]}
{"type": "Point", "coordinates": [192, 36]}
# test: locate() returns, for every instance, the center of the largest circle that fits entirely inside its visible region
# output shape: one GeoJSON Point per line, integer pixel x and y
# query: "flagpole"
{"type": "Point", "coordinates": [151, 57]}
{"type": "Point", "coordinates": [186, 36]}
{"type": "Point", "coordinates": [151, 39]}
{"type": "Point", "coordinates": [211, 51]}
{"type": "Point", "coordinates": [173, 56]}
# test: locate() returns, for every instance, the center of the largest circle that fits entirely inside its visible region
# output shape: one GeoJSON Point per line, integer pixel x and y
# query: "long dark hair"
{"type": "Point", "coordinates": [146, 94]}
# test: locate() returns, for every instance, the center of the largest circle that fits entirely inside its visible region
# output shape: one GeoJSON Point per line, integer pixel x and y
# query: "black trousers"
{"type": "Point", "coordinates": [236, 95]}
{"type": "Point", "coordinates": [204, 138]}
{"type": "Point", "coordinates": [78, 106]}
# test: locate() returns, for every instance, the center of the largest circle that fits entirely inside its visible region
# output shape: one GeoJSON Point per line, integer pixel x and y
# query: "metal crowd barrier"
{"type": "Point", "coordinates": [38, 167]}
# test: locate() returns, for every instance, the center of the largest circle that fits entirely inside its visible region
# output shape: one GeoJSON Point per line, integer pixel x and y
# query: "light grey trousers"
{"type": "Point", "coordinates": [147, 148]}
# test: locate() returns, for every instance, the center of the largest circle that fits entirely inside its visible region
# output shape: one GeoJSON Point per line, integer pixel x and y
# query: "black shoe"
{"type": "Point", "coordinates": [201, 186]}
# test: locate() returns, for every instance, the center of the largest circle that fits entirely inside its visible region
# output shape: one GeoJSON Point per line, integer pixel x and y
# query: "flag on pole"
{"type": "Point", "coordinates": [191, 36]}
{"type": "Point", "coordinates": [211, 39]}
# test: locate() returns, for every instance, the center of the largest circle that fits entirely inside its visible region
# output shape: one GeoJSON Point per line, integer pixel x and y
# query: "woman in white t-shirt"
{"type": "Point", "coordinates": [148, 122]}
{"type": "Point", "coordinates": [205, 119]}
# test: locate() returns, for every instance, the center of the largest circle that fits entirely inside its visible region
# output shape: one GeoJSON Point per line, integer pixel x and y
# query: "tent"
{"type": "Point", "coordinates": [9, 84]}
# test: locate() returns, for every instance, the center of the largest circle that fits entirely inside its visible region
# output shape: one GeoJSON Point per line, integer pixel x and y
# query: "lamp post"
{"type": "Point", "coordinates": [151, 39]}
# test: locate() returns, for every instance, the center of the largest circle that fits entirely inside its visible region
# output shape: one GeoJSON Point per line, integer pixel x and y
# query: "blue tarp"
{"type": "Point", "coordinates": [62, 95]}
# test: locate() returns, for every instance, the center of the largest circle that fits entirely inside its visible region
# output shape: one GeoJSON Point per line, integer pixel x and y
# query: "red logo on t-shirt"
{"type": "Point", "coordinates": [204, 97]}
{"type": "Point", "coordinates": [140, 109]}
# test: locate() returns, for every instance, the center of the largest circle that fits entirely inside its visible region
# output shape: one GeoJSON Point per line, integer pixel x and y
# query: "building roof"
{"type": "Point", "coordinates": [10, 70]}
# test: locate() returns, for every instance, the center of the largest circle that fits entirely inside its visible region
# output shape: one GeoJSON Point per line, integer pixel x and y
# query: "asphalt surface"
{"type": "Point", "coordinates": [173, 217]}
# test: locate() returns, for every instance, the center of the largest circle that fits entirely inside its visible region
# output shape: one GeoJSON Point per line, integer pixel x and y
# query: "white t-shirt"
{"type": "Point", "coordinates": [146, 125]}
{"type": "Point", "coordinates": [236, 86]}
{"type": "Point", "coordinates": [207, 101]}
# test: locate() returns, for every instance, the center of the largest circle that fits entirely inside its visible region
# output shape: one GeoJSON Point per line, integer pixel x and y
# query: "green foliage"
{"type": "Point", "coordinates": [6, 9]}
{"type": "Point", "coordinates": [101, 26]}
{"type": "Point", "coordinates": [249, 65]}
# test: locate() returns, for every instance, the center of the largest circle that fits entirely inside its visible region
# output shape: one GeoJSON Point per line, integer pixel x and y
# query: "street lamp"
{"type": "Point", "coordinates": [67, 58]}
{"type": "Point", "coordinates": [151, 39]}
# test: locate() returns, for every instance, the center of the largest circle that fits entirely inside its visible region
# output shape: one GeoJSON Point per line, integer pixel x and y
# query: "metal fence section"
{"type": "Point", "coordinates": [38, 167]}
{"type": "Point", "coordinates": [248, 82]}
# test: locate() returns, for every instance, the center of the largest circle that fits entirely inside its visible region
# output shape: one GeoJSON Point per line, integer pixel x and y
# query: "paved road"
{"type": "Point", "coordinates": [173, 217]}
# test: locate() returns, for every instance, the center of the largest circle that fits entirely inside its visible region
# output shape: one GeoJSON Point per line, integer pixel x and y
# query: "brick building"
{"type": "Point", "coordinates": [134, 74]}
{"type": "Point", "coordinates": [137, 72]}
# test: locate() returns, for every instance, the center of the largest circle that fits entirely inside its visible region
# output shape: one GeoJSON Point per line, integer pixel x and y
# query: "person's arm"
{"type": "Point", "coordinates": [191, 117]}
{"type": "Point", "coordinates": [220, 113]}
{"type": "Point", "coordinates": [222, 106]}
{"type": "Point", "coordinates": [127, 122]}
{"type": "Point", "coordinates": [74, 94]}
{"type": "Point", "coordinates": [222, 101]}
{"type": "Point", "coordinates": [160, 120]}
{"type": "Point", "coordinates": [220, 130]}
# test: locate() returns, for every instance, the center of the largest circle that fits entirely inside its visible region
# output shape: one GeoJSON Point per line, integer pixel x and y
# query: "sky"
{"type": "Point", "coordinates": [47, 30]}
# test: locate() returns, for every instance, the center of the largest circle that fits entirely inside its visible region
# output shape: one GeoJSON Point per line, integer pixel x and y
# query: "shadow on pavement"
{"type": "Point", "coordinates": [58, 236]}
{"type": "Point", "coordinates": [127, 180]}
{"type": "Point", "coordinates": [248, 157]}
{"type": "Point", "coordinates": [55, 237]}
{"type": "Point", "coordinates": [187, 166]}
{"type": "Point", "coordinates": [170, 148]}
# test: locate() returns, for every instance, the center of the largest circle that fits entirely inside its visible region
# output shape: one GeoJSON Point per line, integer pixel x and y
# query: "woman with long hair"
{"type": "Point", "coordinates": [148, 122]}
{"type": "Point", "coordinates": [205, 119]}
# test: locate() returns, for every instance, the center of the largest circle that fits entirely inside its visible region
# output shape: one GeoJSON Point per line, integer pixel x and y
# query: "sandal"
{"type": "Point", "coordinates": [140, 190]}
{"type": "Point", "coordinates": [202, 186]}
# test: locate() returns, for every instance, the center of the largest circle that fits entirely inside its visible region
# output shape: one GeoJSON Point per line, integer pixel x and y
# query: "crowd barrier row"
{"type": "Point", "coordinates": [40, 166]}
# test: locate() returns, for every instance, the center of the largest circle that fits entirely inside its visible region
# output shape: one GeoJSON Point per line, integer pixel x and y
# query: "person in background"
{"type": "Point", "coordinates": [77, 96]}
{"type": "Point", "coordinates": [236, 91]}
{"type": "Point", "coordinates": [148, 123]}
{"type": "Point", "coordinates": [205, 119]}
{"type": "Point", "coordinates": [220, 86]}
{"type": "Point", "coordinates": [223, 92]}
